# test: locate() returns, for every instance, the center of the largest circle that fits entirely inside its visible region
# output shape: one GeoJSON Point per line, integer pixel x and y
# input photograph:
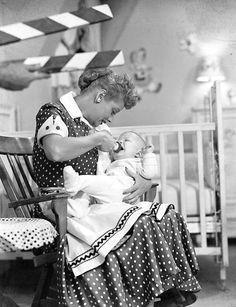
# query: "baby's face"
{"type": "Point", "coordinates": [131, 144]}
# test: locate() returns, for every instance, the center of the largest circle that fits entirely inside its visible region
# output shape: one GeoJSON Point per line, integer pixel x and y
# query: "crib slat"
{"type": "Point", "coordinates": [182, 175]}
{"type": "Point", "coordinates": [163, 166]}
{"type": "Point", "coordinates": [149, 139]}
{"type": "Point", "coordinates": [201, 188]}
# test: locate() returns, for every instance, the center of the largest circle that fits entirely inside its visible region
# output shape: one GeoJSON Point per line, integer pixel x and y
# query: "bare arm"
{"type": "Point", "coordinates": [58, 148]}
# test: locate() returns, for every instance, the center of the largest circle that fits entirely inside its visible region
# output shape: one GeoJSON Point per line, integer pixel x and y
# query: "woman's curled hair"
{"type": "Point", "coordinates": [116, 86]}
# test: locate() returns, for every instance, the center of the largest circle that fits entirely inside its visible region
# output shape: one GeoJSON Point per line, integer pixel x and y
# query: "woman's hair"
{"type": "Point", "coordinates": [116, 86]}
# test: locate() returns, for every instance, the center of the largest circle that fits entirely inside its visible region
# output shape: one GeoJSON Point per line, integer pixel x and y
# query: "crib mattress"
{"type": "Point", "coordinates": [192, 197]}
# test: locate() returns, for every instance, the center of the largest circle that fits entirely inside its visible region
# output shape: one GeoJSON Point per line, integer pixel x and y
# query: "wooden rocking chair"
{"type": "Point", "coordinates": [17, 177]}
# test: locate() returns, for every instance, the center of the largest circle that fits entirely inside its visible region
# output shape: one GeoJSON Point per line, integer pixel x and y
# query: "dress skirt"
{"type": "Point", "coordinates": [157, 256]}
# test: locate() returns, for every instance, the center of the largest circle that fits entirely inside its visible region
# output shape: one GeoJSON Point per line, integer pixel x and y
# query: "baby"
{"type": "Point", "coordinates": [132, 154]}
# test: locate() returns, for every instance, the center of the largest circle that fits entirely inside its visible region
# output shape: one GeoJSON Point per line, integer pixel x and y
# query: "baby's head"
{"type": "Point", "coordinates": [132, 145]}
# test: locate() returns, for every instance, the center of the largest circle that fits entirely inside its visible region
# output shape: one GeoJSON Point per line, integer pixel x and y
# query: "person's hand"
{"type": "Point", "coordinates": [16, 76]}
{"type": "Point", "coordinates": [107, 140]}
{"type": "Point", "coordinates": [140, 186]}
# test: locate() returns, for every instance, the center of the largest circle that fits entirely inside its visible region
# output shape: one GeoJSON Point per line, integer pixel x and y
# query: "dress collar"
{"type": "Point", "coordinates": [72, 107]}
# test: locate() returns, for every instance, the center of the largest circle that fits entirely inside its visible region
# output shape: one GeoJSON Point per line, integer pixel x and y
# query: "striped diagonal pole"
{"type": "Point", "coordinates": [52, 24]}
{"type": "Point", "coordinates": [77, 61]}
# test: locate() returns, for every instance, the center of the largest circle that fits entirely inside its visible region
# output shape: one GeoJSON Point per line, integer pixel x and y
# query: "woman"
{"type": "Point", "coordinates": [157, 260]}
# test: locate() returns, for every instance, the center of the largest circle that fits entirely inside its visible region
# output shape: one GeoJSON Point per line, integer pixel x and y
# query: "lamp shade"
{"type": "Point", "coordinates": [209, 70]}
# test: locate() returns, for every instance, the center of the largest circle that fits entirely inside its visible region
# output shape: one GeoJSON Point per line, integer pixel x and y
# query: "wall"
{"type": "Point", "coordinates": [159, 26]}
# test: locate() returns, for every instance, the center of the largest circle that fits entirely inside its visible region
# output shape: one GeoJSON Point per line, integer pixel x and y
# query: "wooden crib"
{"type": "Point", "coordinates": [191, 176]}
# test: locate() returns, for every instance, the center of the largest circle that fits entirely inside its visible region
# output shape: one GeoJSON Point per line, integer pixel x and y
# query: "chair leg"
{"type": "Point", "coordinates": [43, 285]}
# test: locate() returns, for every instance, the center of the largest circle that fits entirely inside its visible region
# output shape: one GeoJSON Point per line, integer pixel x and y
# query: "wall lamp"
{"type": "Point", "coordinates": [209, 70]}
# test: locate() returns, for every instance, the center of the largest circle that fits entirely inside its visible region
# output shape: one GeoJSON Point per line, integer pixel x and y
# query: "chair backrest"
{"type": "Point", "coordinates": [16, 171]}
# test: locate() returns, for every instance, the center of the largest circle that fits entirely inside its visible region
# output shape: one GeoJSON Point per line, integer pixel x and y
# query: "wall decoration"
{"type": "Point", "coordinates": [190, 43]}
{"type": "Point", "coordinates": [142, 73]}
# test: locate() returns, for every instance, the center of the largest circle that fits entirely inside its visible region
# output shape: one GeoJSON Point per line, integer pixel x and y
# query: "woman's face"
{"type": "Point", "coordinates": [104, 111]}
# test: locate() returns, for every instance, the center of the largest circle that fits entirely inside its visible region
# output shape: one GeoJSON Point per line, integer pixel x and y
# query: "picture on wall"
{"type": "Point", "coordinates": [143, 73]}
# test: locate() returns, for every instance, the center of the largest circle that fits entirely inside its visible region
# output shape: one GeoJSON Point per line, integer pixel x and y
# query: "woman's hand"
{"type": "Point", "coordinates": [15, 76]}
{"type": "Point", "coordinates": [107, 142]}
{"type": "Point", "coordinates": [140, 186]}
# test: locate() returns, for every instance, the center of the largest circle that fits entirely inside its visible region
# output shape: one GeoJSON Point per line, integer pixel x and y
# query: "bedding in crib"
{"type": "Point", "coordinates": [192, 197]}
{"type": "Point", "coordinates": [173, 191]}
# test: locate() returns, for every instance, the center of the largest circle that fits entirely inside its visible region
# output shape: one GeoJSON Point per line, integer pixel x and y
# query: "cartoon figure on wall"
{"type": "Point", "coordinates": [142, 73]}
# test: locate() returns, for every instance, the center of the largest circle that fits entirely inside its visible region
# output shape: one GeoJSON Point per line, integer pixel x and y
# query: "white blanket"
{"type": "Point", "coordinates": [91, 237]}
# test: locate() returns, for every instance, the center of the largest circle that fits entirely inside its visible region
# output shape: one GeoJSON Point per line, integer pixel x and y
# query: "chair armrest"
{"type": "Point", "coordinates": [37, 199]}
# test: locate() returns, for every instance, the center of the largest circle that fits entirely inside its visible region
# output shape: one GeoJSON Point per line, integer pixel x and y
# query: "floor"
{"type": "Point", "coordinates": [211, 295]}
{"type": "Point", "coordinates": [18, 281]}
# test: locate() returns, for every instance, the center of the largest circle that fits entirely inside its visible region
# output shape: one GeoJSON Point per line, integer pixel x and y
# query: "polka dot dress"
{"type": "Point", "coordinates": [157, 257]}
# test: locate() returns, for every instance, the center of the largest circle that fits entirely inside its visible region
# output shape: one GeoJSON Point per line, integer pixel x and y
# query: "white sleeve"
{"type": "Point", "coordinates": [150, 168]}
{"type": "Point", "coordinates": [53, 125]}
{"type": "Point", "coordinates": [104, 159]}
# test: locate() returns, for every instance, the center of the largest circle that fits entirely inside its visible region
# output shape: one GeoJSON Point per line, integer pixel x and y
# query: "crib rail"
{"type": "Point", "coordinates": [152, 130]}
